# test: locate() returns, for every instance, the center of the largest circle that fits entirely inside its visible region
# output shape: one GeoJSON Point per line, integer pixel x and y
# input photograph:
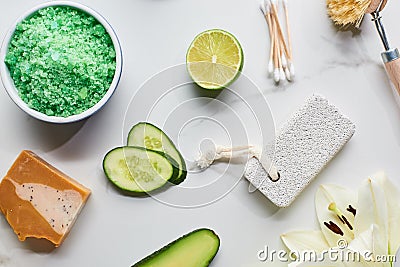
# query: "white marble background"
{"type": "Point", "coordinates": [114, 230]}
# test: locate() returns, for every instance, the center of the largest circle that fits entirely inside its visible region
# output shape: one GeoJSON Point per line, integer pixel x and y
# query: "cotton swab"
{"type": "Point", "coordinates": [273, 65]}
{"type": "Point", "coordinates": [284, 65]}
{"type": "Point", "coordinates": [280, 64]}
{"type": "Point", "coordinates": [288, 75]}
{"type": "Point", "coordinates": [274, 13]}
{"type": "Point", "coordinates": [284, 61]}
{"type": "Point", "coordinates": [265, 7]}
{"type": "Point", "coordinates": [281, 72]}
{"type": "Point", "coordinates": [291, 69]}
{"type": "Point", "coordinates": [280, 44]}
{"type": "Point", "coordinates": [276, 55]}
{"type": "Point", "coordinates": [289, 38]}
{"type": "Point", "coordinates": [271, 62]}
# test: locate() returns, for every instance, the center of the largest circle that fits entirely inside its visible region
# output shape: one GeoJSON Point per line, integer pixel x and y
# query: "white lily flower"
{"type": "Point", "coordinates": [335, 207]}
{"type": "Point", "coordinates": [360, 229]}
{"type": "Point", "coordinates": [392, 197]}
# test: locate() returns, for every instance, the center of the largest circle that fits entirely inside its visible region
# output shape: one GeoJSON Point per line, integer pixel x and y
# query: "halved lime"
{"type": "Point", "coordinates": [214, 59]}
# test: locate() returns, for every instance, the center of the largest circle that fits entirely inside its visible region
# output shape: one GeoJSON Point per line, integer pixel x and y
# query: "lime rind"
{"type": "Point", "coordinates": [207, 83]}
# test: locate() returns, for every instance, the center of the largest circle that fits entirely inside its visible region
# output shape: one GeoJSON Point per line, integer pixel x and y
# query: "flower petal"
{"type": "Point", "coordinates": [369, 245]}
{"type": "Point", "coordinates": [299, 241]}
{"type": "Point", "coordinates": [372, 210]}
{"type": "Point", "coordinates": [363, 242]}
{"type": "Point", "coordinates": [334, 227]}
{"type": "Point", "coordinates": [392, 196]}
{"type": "Point", "coordinates": [380, 247]}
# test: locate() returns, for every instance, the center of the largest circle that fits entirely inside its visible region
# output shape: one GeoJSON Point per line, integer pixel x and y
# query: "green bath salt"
{"type": "Point", "coordinates": [62, 61]}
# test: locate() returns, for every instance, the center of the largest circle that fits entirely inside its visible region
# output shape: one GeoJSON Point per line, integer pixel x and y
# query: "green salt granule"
{"type": "Point", "coordinates": [62, 61]}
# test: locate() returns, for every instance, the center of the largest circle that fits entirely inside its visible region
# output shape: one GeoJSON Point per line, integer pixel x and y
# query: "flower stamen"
{"type": "Point", "coordinates": [334, 228]}
{"type": "Point", "coordinates": [352, 210]}
{"type": "Point", "coordinates": [332, 207]}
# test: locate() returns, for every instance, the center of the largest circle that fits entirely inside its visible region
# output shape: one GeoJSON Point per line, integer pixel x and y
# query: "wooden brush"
{"type": "Point", "coordinates": [344, 12]}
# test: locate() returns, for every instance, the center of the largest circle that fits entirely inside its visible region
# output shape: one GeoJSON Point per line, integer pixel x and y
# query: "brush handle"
{"type": "Point", "coordinates": [374, 6]}
{"type": "Point", "coordinates": [392, 65]}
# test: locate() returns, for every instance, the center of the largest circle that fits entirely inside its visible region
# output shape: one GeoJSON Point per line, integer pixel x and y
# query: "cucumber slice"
{"type": "Point", "coordinates": [147, 135]}
{"type": "Point", "coordinates": [137, 169]}
{"type": "Point", "coordinates": [196, 249]}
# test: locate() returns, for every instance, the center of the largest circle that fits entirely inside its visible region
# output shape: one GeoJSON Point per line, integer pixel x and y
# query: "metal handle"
{"type": "Point", "coordinates": [390, 55]}
{"type": "Point", "coordinates": [377, 19]}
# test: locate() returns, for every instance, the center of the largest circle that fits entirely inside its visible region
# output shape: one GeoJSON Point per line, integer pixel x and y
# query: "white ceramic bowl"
{"type": "Point", "coordinates": [9, 84]}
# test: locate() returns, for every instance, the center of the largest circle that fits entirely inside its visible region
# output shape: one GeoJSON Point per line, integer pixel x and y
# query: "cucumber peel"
{"type": "Point", "coordinates": [147, 135]}
{"type": "Point", "coordinates": [195, 249]}
{"type": "Point", "coordinates": [136, 169]}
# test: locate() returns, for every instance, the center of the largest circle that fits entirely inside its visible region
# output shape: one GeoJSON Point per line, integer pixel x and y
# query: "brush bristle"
{"type": "Point", "coordinates": [345, 12]}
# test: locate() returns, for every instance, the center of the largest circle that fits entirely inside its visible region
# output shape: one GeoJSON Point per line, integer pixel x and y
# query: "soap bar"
{"type": "Point", "coordinates": [40, 201]}
{"type": "Point", "coordinates": [303, 147]}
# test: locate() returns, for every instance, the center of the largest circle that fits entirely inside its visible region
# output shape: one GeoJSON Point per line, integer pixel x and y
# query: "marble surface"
{"type": "Point", "coordinates": [117, 230]}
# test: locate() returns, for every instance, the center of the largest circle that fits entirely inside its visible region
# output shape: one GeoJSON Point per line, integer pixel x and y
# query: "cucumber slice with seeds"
{"type": "Point", "coordinates": [147, 135]}
{"type": "Point", "coordinates": [137, 169]}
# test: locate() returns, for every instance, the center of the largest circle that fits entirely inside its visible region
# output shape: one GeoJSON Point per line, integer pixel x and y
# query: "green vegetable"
{"type": "Point", "coordinates": [195, 249]}
{"type": "Point", "coordinates": [137, 169]}
{"type": "Point", "coordinates": [147, 135]}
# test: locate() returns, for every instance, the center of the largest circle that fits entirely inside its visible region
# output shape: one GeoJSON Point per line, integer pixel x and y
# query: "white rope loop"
{"type": "Point", "coordinates": [207, 158]}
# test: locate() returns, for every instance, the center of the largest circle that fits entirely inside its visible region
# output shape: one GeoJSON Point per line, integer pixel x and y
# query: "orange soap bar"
{"type": "Point", "coordinates": [40, 201]}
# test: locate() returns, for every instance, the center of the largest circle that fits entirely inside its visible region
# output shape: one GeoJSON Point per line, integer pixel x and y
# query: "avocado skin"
{"type": "Point", "coordinates": [165, 249]}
